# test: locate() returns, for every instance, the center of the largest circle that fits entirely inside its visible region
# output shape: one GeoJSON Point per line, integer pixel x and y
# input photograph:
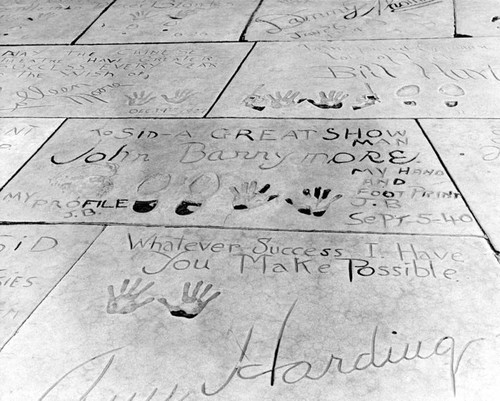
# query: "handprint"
{"type": "Point", "coordinates": [332, 101]}
{"type": "Point", "coordinates": [142, 15]}
{"type": "Point", "coordinates": [190, 306]}
{"type": "Point", "coordinates": [280, 101]}
{"type": "Point", "coordinates": [139, 99]}
{"type": "Point", "coordinates": [125, 302]}
{"type": "Point", "coordinates": [179, 97]}
{"type": "Point", "coordinates": [317, 203]}
{"type": "Point", "coordinates": [247, 197]}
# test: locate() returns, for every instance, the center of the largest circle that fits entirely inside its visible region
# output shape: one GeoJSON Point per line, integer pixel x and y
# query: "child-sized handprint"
{"type": "Point", "coordinates": [315, 203]}
{"type": "Point", "coordinates": [179, 97]}
{"type": "Point", "coordinates": [140, 99]}
{"type": "Point", "coordinates": [278, 101]}
{"type": "Point", "coordinates": [191, 305]}
{"type": "Point", "coordinates": [126, 302]}
{"type": "Point", "coordinates": [247, 197]}
{"type": "Point", "coordinates": [332, 101]}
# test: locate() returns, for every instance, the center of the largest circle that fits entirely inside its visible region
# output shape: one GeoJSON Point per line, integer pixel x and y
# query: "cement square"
{"type": "Point", "coordinates": [19, 139]}
{"type": "Point", "coordinates": [367, 79]}
{"type": "Point", "coordinates": [319, 175]}
{"type": "Point", "coordinates": [116, 81]}
{"type": "Point", "coordinates": [132, 21]}
{"type": "Point", "coordinates": [264, 316]}
{"type": "Point", "coordinates": [29, 22]}
{"type": "Point", "coordinates": [470, 149]}
{"type": "Point", "coordinates": [480, 18]}
{"type": "Point", "coordinates": [33, 259]}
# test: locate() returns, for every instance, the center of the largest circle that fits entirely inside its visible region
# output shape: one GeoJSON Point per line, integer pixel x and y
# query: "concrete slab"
{"type": "Point", "coordinates": [320, 323]}
{"type": "Point", "coordinates": [359, 176]}
{"type": "Point", "coordinates": [314, 20]}
{"type": "Point", "coordinates": [115, 81]}
{"type": "Point", "coordinates": [362, 79]}
{"type": "Point", "coordinates": [478, 19]}
{"type": "Point", "coordinates": [132, 21]}
{"type": "Point", "coordinates": [470, 150]}
{"type": "Point", "coordinates": [46, 21]}
{"type": "Point", "coordinates": [19, 139]}
{"type": "Point", "coordinates": [32, 261]}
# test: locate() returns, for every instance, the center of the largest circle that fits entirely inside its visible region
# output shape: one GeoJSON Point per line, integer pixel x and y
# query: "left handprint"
{"type": "Point", "coordinates": [248, 197]}
{"type": "Point", "coordinates": [126, 301]}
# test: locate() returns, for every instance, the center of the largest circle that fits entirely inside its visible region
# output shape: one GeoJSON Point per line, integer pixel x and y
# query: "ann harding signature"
{"type": "Point", "coordinates": [276, 369]}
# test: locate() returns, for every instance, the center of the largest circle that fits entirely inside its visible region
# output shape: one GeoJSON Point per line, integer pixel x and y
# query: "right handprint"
{"type": "Point", "coordinates": [314, 203]}
{"type": "Point", "coordinates": [191, 305]}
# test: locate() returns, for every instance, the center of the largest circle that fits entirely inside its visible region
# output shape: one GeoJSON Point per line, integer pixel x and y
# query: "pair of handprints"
{"type": "Point", "coordinates": [311, 202]}
{"type": "Point", "coordinates": [148, 14]}
{"type": "Point", "coordinates": [333, 100]}
{"type": "Point", "coordinates": [127, 300]}
{"type": "Point", "coordinates": [142, 98]}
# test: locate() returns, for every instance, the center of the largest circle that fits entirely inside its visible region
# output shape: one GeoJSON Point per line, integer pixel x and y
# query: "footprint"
{"type": "Point", "coordinates": [451, 90]}
{"type": "Point", "coordinates": [496, 21]}
{"type": "Point", "coordinates": [408, 91]}
{"type": "Point", "coordinates": [199, 189]}
{"type": "Point", "coordinates": [144, 206]}
{"type": "Point", "coordinates": [150, 186]}
{"type": "Point", "coordinates": [154, 184]}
